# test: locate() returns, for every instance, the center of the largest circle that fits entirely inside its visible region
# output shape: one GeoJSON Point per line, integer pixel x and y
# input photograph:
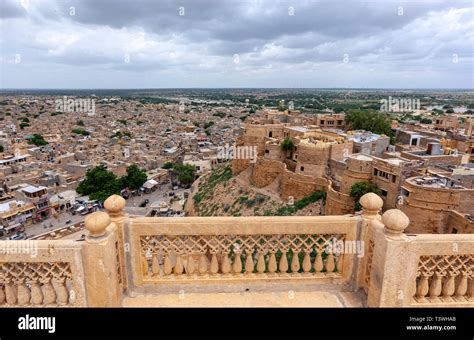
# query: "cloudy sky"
{"type": "Point", "coordinates": [236, 43]}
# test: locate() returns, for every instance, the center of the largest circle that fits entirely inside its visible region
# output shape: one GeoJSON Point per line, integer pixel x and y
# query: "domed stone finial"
{"type": "Point", "coordinates": [371, 203]}
{"type": "Point", "coordinates": [114, 204]}
{"type": "Point", "coordinates": [395, 222]}
{"type": "Point", "coordinates": [96, 223]}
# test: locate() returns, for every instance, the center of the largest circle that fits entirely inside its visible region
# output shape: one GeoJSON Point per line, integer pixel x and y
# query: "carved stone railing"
{"type": "Point", "coordinates": [122, 255]}
{"type": "Point", "coordinates": [41, 273]}
{"type": "Point", "coordinates": [444, 271]}
{"type": "Point", "coordinates": [421, 270]}
{"type": "Point", "coordinates": [165, 250]}
{"type": "Point", "coordinates": [50, 273]}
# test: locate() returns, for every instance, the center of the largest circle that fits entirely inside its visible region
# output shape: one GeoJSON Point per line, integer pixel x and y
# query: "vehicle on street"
{"type": "Point", "coordinates": [18, 236]}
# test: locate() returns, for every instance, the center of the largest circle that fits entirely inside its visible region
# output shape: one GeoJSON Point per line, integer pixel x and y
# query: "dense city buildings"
{"type": "Point", "coordinates": [411, 175]}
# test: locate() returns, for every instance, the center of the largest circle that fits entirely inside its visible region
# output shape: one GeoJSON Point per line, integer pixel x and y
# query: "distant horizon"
{"type": "Point", "coordinates": [238, 88]}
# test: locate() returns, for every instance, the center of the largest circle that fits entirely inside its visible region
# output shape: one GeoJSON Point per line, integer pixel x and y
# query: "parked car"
{"type": "Point", "coordinates": [18, 236]}
{"type": "Point", "coordinates": [20, 229]}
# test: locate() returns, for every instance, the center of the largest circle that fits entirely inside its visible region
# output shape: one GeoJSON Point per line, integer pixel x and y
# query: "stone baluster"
{"type": "Point", "coordinates": [10, 292]}
{"type": "Point", "coordinates": [261, 263]}
{"type": "Point", "coordinates": [226, 266]}
{"type": "Point", "coordinates": [2, 295]}
{"type": "Point", "coordinates": [449, 286]}
{"type": "Point", "coordinates": [272, 264]}
{"type": "Point", "coordinates": [306, 261]}
{"type": "Point", "coordinates": [422, 287]}
{"type": "Point", "coordinates": [49, 294]}
{"type": "Point", "coordinates": [283, 265]}
{"type": "Point", "coordinates": [178, 268]}
{"type": "Point", "coordinates": [36, 293]}
{"type": "Point", "coordinates": [202, 267]}
{"type": "Point", "coordinates": [191, 265]}
{"type": "Point", "coordinates": [318, 261]}
{"type": "Point", "coordinates": [214, 268]}
{"type": "Point", "coordinates": [237, 265]}
{"type": "Point", "coordinates": [144, 264]}
{"type": "Point", "coordinates": [62, 293]}
{"type": "Point", "coordinates": [470, 289]}
{"type": "Point", "coordinates": [167, 267]}
{"type": "Point", "coordinates": [295, 261]}
{"type": "Point", "coordinates": [435, 286]}
{"type": "Point", "coordinates": [249, 265]}
{"type": "Point", "coordinates": [461, 288]}
{"type": "Point", "coordinates": [23, 293]}
{"type": "Point", "coordinates": [330, 265]}
{"type": "Point", "coordinates": [339, 263]}
{"type": "Point", "coordinates": [155, 265]}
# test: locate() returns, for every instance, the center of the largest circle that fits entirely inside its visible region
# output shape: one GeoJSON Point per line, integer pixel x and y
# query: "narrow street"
{"type": "Point", "coordinates": [51, 224]}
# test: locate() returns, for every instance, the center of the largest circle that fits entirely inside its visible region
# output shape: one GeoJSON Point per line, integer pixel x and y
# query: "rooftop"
{"type": "Point", "coordinates": [31, 189]}
{"type": "Point", "coordinates": [435, 182]}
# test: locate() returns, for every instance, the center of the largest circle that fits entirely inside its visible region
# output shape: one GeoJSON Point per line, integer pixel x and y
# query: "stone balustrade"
{"type": "Point", "coordinates": [419, 270]}
{"type": "Point", "coordinates": [230, 248]}
{"type": "Point", "coordinates": [41, 273]}
{"type": "Point", "coordinates": [122, 256]}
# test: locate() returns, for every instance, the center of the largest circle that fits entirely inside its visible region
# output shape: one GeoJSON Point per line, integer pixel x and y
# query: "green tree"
{"type": "Point", "coordinates": [167, 165]}
{"type": "Point", "coordinates": [37, 140]}
{"type": "Point", "coordinates": [373, 121]}
{"type": "Point", "coordinates": [359, 189]}
{"type": "Point", "coordinates": [287, 144]}
{"type": "Point", "coordinates": [80, 122]}
{"type": "Point", "coordinates": [99, 184]}
{"type": "Point", "coordinates": [80, 132]}
{"type": "Point", "coordinates": [219, 114]}
{"type": "Point", "coordinates": [2, 148]}
{"type": "Point", "coordinates": [184, 172]}
{"type": "Point", "coordinates": [134, 178]}
{"type": "Point", "coordinates": [208, 124]}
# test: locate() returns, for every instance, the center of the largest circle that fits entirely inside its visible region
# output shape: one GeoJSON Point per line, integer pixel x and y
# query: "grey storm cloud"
{"type": "Point", "coordinates": [215, 43]}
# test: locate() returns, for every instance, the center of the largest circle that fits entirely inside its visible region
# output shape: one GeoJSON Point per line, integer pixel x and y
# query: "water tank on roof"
{"type": "Point", "coordinates": [434, 149]}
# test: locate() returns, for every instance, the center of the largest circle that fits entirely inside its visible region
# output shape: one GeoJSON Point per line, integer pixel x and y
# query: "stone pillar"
{"type": "Point", "coordinates": [100, 262]}
{"type": "Point", "coordinates": [371, 205]}
{"type": "Point", "coordinates": [114, 206]}
{"type": "Point", "coordinates": [390, 270]}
